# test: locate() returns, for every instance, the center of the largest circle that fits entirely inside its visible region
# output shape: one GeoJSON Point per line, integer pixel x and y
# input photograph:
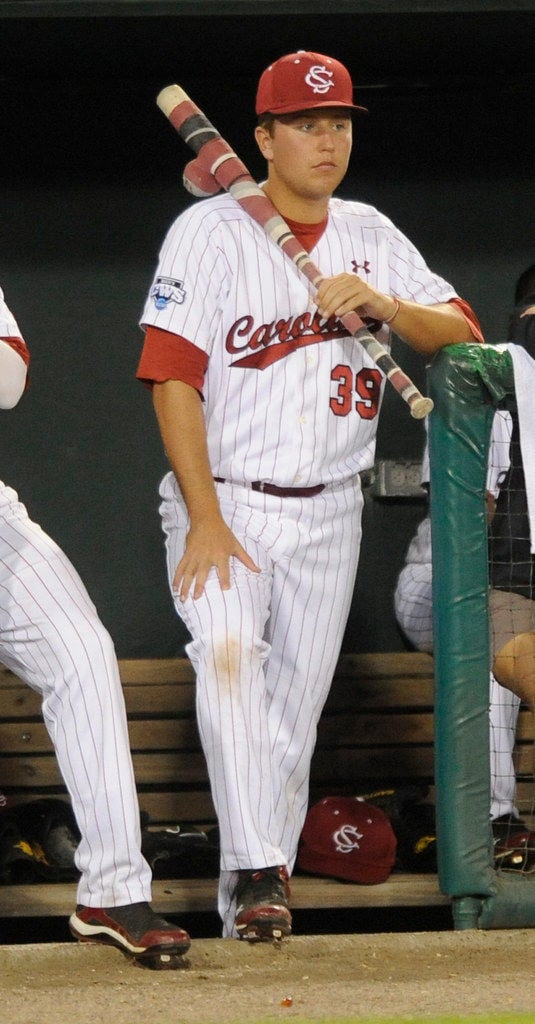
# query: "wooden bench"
{"type": "Point", "coordinates": [376, 730]}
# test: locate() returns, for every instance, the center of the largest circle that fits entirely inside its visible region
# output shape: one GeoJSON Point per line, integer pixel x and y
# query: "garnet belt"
{"type": "Point", "coordinates": [278, 492]}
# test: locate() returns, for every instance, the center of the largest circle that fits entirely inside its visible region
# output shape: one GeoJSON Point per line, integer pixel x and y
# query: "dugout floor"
{"type": "Point", "coordinates": [314, 978]}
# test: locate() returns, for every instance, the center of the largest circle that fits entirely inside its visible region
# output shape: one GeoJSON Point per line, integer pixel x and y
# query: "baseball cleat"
{"type": "Point", "coordinates": [136, 930]}
{"type": "Point", "coordinates": [262, 912]}
{"type": "Point", "coordinates": [514, 844]}
{"type": "Point", "coordinates": [507, 825]}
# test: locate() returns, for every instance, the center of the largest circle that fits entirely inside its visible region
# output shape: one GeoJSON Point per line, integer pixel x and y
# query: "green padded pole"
{"type": "Point", "coordinates": [465, 381]}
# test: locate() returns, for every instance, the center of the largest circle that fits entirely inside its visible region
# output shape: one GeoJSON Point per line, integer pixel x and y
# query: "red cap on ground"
{"type": "Point", "coordinates": [345, 837]}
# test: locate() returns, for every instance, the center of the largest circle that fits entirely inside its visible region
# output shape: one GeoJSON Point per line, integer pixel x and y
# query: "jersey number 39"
{"type": "Point", "coordinates": [360, 391]}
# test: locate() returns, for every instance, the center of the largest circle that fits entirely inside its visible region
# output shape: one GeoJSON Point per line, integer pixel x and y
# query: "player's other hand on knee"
{"type": "Point", "coordinates": [207, 548]}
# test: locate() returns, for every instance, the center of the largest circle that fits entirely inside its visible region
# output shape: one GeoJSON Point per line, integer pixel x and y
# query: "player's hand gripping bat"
{"type": "Point", "coordinates": [216, 166]}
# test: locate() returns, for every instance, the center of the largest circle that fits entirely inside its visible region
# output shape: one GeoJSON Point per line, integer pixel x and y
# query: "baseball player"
{"type": "Point", "coordinates": [52, 638]}
{"type": "Point", "coordinates": [268, 412]}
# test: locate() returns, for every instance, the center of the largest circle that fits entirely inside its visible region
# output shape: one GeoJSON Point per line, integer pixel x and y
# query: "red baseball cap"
{"type": "Point", "coordinates": [345, 837]}
{"type": "Point", "coordinates": [303, 81]}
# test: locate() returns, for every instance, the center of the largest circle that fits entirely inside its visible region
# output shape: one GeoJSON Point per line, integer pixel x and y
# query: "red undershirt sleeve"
{"type": "Point", "coordinates": [168, 356]}
{"type": "Point", "coordinates": [470, 317]}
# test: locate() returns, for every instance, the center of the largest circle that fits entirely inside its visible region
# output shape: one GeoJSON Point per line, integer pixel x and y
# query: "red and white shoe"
{"type": "Point", "coordinates": [262, 912]}
{"type": "Point", "coordinates": [136, 930]}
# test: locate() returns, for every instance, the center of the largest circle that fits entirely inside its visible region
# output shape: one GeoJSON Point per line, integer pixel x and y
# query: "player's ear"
{"type": "Point", "coordinates": [264, 141]}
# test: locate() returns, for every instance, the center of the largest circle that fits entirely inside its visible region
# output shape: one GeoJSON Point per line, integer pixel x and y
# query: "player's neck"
{"type": "Point", "coordinates": [303, 209]}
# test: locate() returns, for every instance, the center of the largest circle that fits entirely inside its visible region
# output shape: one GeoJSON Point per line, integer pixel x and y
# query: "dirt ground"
{"type": "Point", "coordinates": [313, 978]}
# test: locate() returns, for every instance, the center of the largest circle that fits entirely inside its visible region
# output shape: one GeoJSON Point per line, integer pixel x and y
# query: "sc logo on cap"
{"type": "Point", "coordinates": [347, 838]}
{"type": "Point", "coordinates": [319, 79]}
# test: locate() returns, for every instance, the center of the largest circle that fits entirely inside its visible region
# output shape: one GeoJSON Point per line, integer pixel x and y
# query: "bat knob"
{"type": "Point", "coordinates": [199, 181]}
{"type": "Point", "coordinates": [421, 407]}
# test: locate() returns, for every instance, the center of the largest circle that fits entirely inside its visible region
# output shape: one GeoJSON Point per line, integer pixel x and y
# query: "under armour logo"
{"type": "Point", "coordinates": [347, 838]}
{"type": "Point", "coordinates": [319, 79]}
{"type": "Point", "coordinates": [361, 266]}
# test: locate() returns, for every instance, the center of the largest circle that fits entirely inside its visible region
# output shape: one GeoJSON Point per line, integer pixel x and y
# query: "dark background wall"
{"type": "Point", "coordinates": [90, 178]}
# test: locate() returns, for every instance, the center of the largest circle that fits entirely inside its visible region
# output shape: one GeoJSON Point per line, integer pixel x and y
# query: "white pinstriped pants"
{"type": "Point", "coordinates": [51, 636]}
{"type": "Point", "coordinates": [264, 653]}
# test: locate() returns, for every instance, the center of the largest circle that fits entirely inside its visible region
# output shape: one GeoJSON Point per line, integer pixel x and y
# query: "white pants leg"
{"type": "Point", "coordinates": [413, 603]}
{"type": "Point", "coordinates": [503, 711]}
{"type": "Point", "coordinates": [51, 636]}
{"type": "Point", "coordinates": [264, 653]}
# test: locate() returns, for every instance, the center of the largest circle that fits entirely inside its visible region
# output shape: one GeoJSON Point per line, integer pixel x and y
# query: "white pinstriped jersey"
{"type": "Point", "coordinates": [290, 398]}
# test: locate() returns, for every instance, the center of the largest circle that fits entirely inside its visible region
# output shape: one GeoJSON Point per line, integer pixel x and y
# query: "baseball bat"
{"type": "Point", "coordinates": [217, 166]}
